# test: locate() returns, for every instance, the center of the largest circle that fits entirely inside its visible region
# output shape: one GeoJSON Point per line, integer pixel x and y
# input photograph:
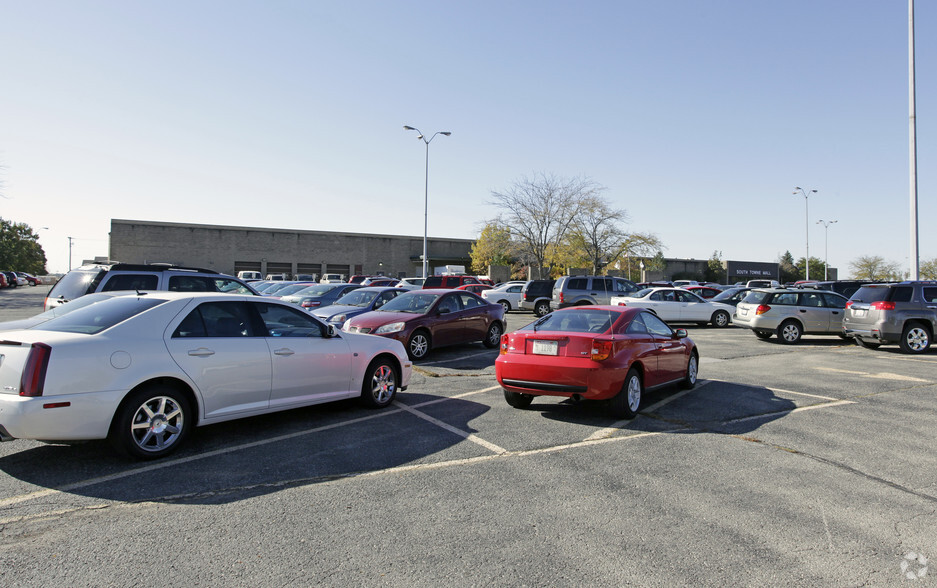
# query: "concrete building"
{"type": "Point", "coordinates": [272, 251]}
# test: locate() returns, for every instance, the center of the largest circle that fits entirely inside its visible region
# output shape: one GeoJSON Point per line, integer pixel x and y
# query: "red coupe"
{"type": "Point", "coordinates": [609, 353]}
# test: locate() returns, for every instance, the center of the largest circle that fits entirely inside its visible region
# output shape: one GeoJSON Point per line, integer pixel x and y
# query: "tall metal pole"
{"type": "Point", "coordinates": [915, 259]}
{"type": "Point", "coordinates": [426, 192]}
{"type": "Point", "coordinates": [826, 247]}
{"type": "Point", "coordinates": [806, 225]}
{"type": "Point", "coordinates": [70, 239]}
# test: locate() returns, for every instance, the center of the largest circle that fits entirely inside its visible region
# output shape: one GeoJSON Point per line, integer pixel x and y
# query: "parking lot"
{"type": "Point", "coordinates": [786, 465]}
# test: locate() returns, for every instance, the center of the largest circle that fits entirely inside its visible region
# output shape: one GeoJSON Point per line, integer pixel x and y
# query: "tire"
{"type": "Point", "coordinates": [789, 332]}
{"type": "Point", "coordinates": [763, 335]}
{"type": "Point", "coordinates": [505, 305]}
{"type": "Point", "coordinates": [627, 403]}
{"type": "Point", "coordinates": [867, 344]}
{"type": "Point", "coordinates": [721, 319]}
{"type": "Point", "coordinates": [518, 400]}
{"type": "Point", "coordinates": [493, 336]}
{"type": "Point", "coordinates": [159, 408]}
{"type": "Point", "coordinates": [379, 387]}
{"type": "Point", "coordinates": [418, 345]}
{"type": "Point", "coordinates": [542, 308]}
{"type": "Point", "coordinates": [692, 371]}
{"type": "Point", "coordinates": [915, 338]}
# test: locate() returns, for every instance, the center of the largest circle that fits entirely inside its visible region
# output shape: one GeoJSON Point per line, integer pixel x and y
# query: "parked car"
{"type": "Point", "coordinates": [332, 279]}
{"type": "Point", "coordinates": [144, 370]}
{"type": "Point", "coordinates": [904, 313]}
{"type": "Point", "coordinates": [610, 353]}
{"type": "Point", "coordinates": [535, 296]}
{"type": "Point", "coordinates": [685, 283]}
{"type": "Point", "coordinates": [29, 278]}
{"type": "Point", "coordinates": [763, 284]}
{"type": "Point", "coordinates": [583, 290]}
{"type": "Point", "coordinates": [732, 296]}
{"type": "Point", "coordinates": [3, 280]}
{"type": "Point", "coordinates": [677, 305]}
{"type": "Point", "coordinates": [11, 279]}
{"type": "Point", "coordinates": [143, 277]}
{"type": "Point", "coordinates": [288, 288]}
{"type": "Point", "coordinates": [508, 295]}
{"type": "Point", "coordinates": [791, 313]}
{"type": "Point", "coordinates": [319, 295]}
{"type": "Point", "coordinates": [426, 319]}
{"type": "Point", "coordinates": [379, 281]}
{"type": "Point", "coordinates": [436, 282]}
{"type": "Point", "coordinates": [355, 302]}
{"type": "Point", "coordinates": [475, 288]}
{"type": "Point", "coordinates": [358, 278]}
{"type": "Point", "coordinates": [62, 310]}
{"type": "Point", "coordinates": [411, 283]}
{"type": "Point", "coordinates": [707, 292]}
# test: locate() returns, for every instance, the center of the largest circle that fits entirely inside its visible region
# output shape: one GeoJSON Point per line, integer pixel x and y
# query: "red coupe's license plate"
{"type": "Point", "coordinates": [545, 347]}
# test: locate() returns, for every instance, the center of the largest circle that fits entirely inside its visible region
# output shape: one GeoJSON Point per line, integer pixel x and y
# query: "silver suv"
{"type": "Point", "coordinates": [790, 313]}
{"type": "Point", "coordinates": [585, 290]}
{"type": "Point", "coordinates": [124, 276]}
{"type": "Point", "coordinates": [904, 313]}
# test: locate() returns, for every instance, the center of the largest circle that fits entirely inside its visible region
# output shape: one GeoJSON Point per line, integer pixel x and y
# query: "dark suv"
{"type": "Point", "coordinates": [904, 313]}
{"type": "Point", "coordinates": [124, 276]}
{"type": "Point", "coordinates": [536, 296]}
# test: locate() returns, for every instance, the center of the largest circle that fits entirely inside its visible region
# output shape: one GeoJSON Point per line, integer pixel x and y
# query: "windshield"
{"type": "Point", "coordinates": [291, 289]}
{"type": "Point", "coordinates": [360, 298]}
{"type": "Point", "coordinates": [94, 318]}
{"type": "Point", "coordinates": [726, 295]}
{"type": "Point", "coordinates": [641, 293]}
{"type": "Point", "coordinates": [76, 283]}
{"type": "Point", "coordinates": [415, 302]}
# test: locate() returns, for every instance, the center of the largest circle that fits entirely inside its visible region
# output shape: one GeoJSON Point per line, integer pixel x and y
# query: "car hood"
{"type": "Point", "coordinates": [330, 311]}
{"type": "Point", "coordinates": [376, 318]}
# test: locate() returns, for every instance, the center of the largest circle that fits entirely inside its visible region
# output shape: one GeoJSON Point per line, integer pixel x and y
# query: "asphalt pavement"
{"type": "Point", "coordinates": [800, 465]}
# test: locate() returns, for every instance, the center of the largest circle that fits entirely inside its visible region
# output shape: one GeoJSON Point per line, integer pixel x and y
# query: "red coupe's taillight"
{"type": "Point", "coordinates": [882, 305]}
{"type": "Point", "coordinates": [34, 373]}
{"type": "Point", "coordinates": [762, 308]}
{"type": "Point", "coordinates": [601, 350]}
{"type": "Point", "coordinates": [504, 344]}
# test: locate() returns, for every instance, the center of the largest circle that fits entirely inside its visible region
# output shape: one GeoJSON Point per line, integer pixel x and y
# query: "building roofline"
{"type": "Point", "coordinates": [274, 230]}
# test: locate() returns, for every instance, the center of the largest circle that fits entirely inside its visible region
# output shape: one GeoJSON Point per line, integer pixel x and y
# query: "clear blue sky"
{"type": "Point", "coordinates": [698, 117]}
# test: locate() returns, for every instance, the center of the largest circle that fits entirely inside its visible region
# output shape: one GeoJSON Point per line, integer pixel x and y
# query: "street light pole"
{"type": "Point", "coordinates": [425, 190]}
{"type": "Point", "coordinates": [70, 239]}
{"type": "Point", "coordinates": [806, 193]}
{"type": "Point", "coordinates": [826, 246]}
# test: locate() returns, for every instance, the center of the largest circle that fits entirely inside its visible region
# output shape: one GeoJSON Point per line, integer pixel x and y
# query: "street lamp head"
{"type": "Point", "coordinates": [419, 136]}
{"type": "Point", "coordinates": [446, 133]}
{"type": "Point", "coordinates": [408, 128]}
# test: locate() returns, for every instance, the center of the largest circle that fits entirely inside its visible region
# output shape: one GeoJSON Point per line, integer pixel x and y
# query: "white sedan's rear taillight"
{"type": "Point", "coordinates": [34, 372]}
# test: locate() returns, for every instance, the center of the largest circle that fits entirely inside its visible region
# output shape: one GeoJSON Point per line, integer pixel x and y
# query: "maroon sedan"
{"type": "Point", "coordinates": [609, 353]}
{"type": "Point", "coordinates": [426, 319]}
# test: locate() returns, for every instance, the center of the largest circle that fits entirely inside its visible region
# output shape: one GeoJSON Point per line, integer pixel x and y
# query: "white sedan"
{"type": "Point", "coordinates": [678, 305]}
{"type": "Point", "coordinates": [143, 370]}
{"type": "Point", "coordinates": [507, 295]}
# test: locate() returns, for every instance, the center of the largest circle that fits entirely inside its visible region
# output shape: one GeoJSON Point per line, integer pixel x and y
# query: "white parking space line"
{"type": "Point", "coordinates": [877, 376]}
{"type": "Point", "coordinates": [781, 413]}
{"type": "Point", "coordinates": [773, 390]}
{"type": "Point", "coordinates": [608, 431]}
{"type": "Point", "coordinates": [465, 434]}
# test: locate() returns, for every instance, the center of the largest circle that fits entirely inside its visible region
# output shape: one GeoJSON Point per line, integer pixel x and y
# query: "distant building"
{"type": "Point", "coordinates": [230, 249]}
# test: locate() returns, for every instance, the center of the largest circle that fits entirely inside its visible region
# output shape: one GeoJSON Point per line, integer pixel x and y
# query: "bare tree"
{"type": "Point", "coordinates": [540, 211]}
{"type": "Point", "coordinates": [598, 233]}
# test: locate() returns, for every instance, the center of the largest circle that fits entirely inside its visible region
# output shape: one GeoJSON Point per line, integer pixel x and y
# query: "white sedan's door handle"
{"type": "Point", "coordinates": [283, 351]}
{"type": "Point", "coordinates": [201, 352]}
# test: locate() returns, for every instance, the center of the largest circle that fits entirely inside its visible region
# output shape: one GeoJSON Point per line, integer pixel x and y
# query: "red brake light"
{"type": "Point", "coordinates": [34, 373]}
{"type": "Point", "coordinates": [504, 344]}
{"type": "Point", "coordinates": [762, 308]}
{"type": "Point", "coordinates": [561, 298]}
{"type": "Point", "coordinates": [601, 350]}
{"type": "Point", "coordinates": [848, 303]}
{"type": "Point", "coordinates": [882, 305]}
{"type": "Point", "coordinates": [620, 303]}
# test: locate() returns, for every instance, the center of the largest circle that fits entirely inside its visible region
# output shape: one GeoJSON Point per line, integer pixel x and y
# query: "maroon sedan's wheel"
{"type": "Point", "coordinates": [518, 400]}
{"type": "Point", "coordinates": [418, 345]}
{"type": "Point", "coordinates": [692, 371]}
{"type": "Point", "coordinates": [627, 403]}
{"type": "Point", "coordinates": [493, 337]}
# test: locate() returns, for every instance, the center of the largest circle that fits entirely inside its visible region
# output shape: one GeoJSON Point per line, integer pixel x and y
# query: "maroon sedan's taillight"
{"type": "Point", "coordinates": [504, 344]}
{"type": "Point", "coordinates": [34, 373]}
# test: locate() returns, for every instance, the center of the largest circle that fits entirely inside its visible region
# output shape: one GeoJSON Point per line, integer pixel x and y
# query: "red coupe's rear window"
{"type": "Point", "coordinates": [576, 320]}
